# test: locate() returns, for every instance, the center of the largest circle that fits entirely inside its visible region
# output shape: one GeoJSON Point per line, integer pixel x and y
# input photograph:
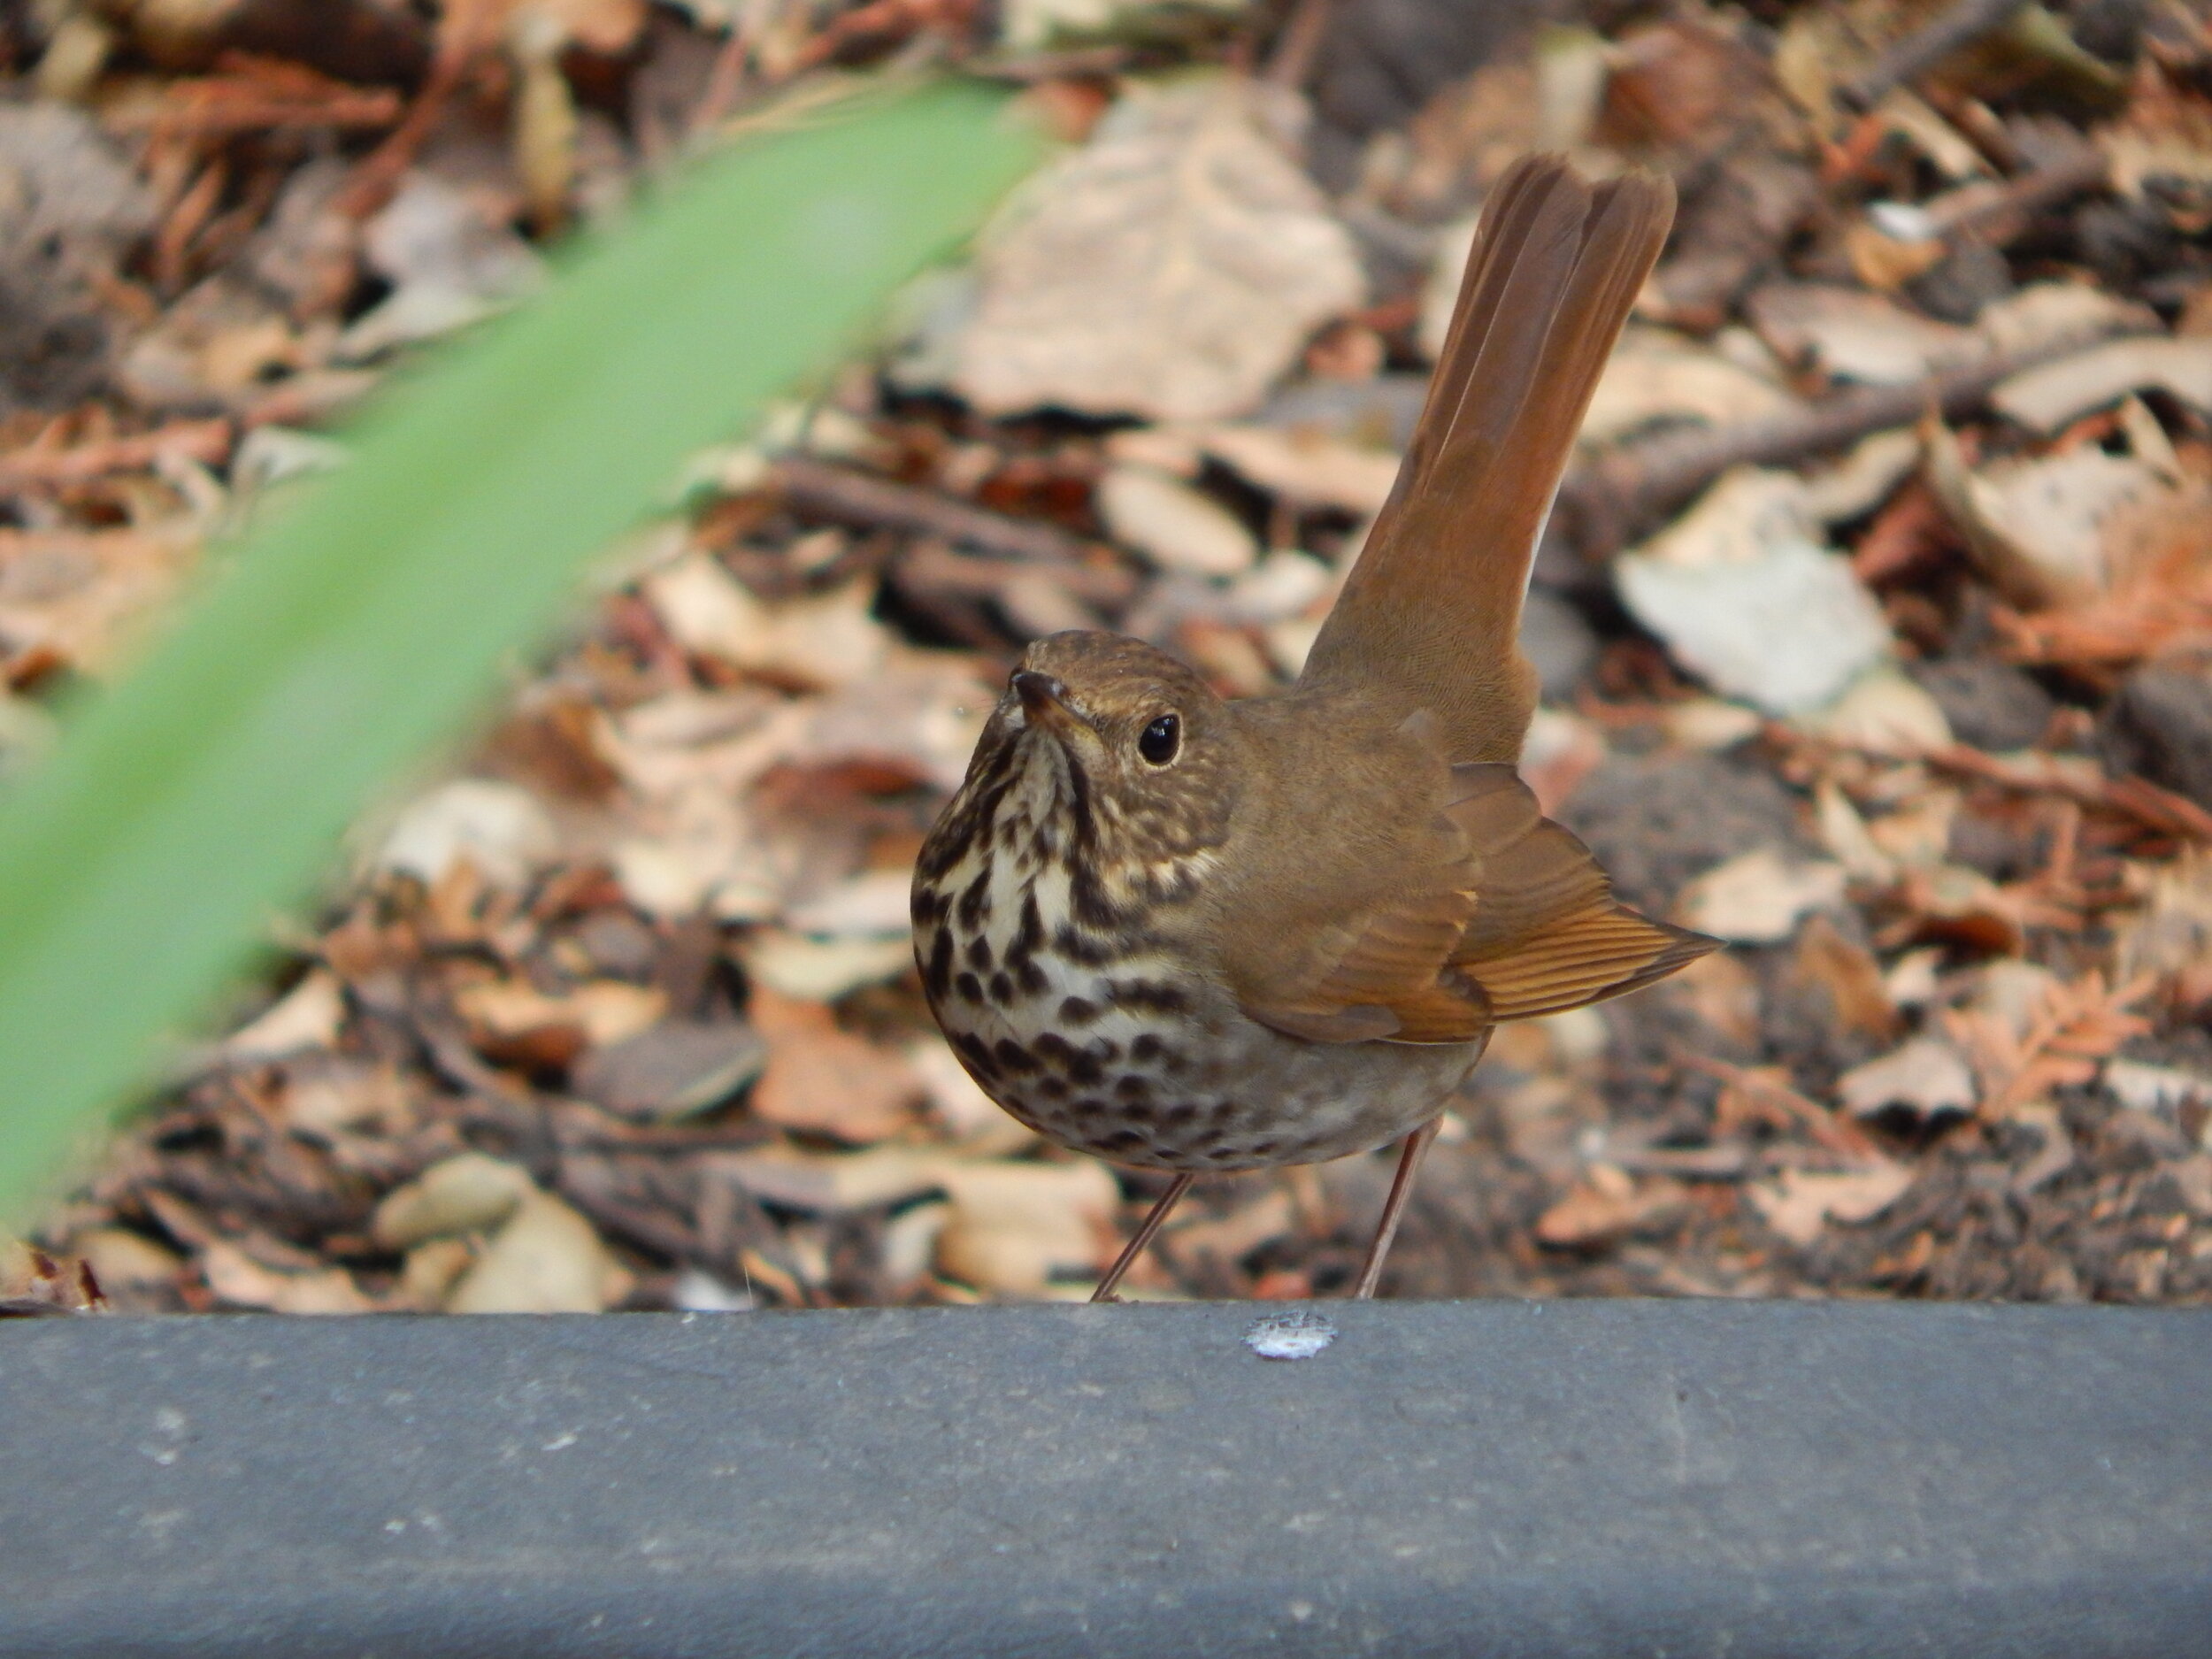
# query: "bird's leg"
{"type": "Point", "coordinates": [1176, 1188]}
{"type": "Point", "coordinates": [1416, 1146]}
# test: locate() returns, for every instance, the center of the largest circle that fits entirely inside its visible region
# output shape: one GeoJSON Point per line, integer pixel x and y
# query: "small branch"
{"type": "Point", "coordinates": [205, 441]}
{"type": "Point", "coordinates": [1958, 26]}
{"type": "Point", "coordinates": [1614, 497]}
{"type": "Point", "coordinates": [856, 498]}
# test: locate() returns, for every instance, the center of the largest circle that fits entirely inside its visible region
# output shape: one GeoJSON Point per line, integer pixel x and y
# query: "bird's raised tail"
{"type": "Point", "coordinates": [1430, 618]}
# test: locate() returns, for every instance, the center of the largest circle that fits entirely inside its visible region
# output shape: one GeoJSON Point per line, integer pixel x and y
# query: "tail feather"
{"type": "Point", "coordinates": [1430, 616]}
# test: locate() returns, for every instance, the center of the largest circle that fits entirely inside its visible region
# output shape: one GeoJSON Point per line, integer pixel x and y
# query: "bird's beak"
{"type": "Point", "coordinates": [1044, 700]}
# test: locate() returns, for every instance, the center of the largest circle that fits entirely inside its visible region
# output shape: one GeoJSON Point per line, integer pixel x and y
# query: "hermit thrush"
{"type": "Point", "coordinates": [1191, 934]}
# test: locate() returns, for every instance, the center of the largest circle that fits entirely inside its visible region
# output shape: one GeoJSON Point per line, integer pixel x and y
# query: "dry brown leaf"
{"type": "Point", "coordinates": [1928, 1076]}
{"type": "Point", "coordinates": [1172, 267]}
{"type": "Point", "coordinates": [1020, 1228]}
{"type": "Point", "coordinates": [825, 1080]}
{"type": "Point", "coordinates": [239, 1281]}
{"type": "Point", "coordinates": [1798, 1204]}
{"type": "Point", "coordinates": [545, 1259]}
{"type": "Point", "coordinates": [1757, 897]}
{"type": "Point", "coordinates": [1607, 1205]}
{"type": "Point", "coordinates": [602, 1011]}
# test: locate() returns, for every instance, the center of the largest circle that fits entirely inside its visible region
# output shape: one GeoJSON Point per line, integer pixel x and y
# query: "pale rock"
{"type": "Point", "coordinates": [1173, 525]}
{"type": "Point", "coordinates": [1758, 897]}
{"type": "Point", "coordinates": [605, 1010]}
{"type": "Point", "coordinates": [1285, 584]}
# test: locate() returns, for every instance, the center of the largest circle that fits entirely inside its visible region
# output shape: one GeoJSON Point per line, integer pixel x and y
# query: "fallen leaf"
{"type": "Point", "coordinates": [1854, 335]}
{"type": "Point", "coordinates": [239, 1281]}
{"type": "Point", "coordinates": [604, 1011]}
{"type": "Point", "coordinates": [1016, 1228]}
{"type": "Point", "coordinates": [501, 829]}
{"type": "Point", "coordinates": [1929, 1076]}
{"type": "Point", "coordinates": [1172, 267]}
{"type": "Point", "coordinates": [1748, 594]}
{"type": "Point", "coordinates": [468, 1192]}
{"type": "Point", "coordinates": [1798, 1204]}
{"type": "Point", "coordinates": [1656, 375]}
{"type": "Point", "coordinates": [2054, 394]}
{"type": "Point", "coordinates": [1174, 526]}
{"type": "Point", "coordinates": [825, 1080]}
{"type": "Point", "coordinates": [818, 640]}
{"type": "Point", "coordinates": [545, 1259]}
{"type": "Point", "coordinates": [309, 1016]}
{"type": "Point", "coordinates": [1608, 1206]}
{"type": "Point", "coordinates": [673, 1069]}
{"type": "Point", "coordinates": [1756, 897]}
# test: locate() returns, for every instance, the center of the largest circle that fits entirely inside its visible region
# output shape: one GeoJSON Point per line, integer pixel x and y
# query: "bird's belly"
{"type": "Point", "coordinates": [1127, 1062]}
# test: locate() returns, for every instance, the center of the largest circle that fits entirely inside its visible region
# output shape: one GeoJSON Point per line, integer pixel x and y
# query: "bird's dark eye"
{"type": "Point", "coordinates": [1159, 741]}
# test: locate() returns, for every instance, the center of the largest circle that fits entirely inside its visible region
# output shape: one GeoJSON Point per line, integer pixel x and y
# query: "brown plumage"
{"type": "Point", "coordinates": [1196, 934]}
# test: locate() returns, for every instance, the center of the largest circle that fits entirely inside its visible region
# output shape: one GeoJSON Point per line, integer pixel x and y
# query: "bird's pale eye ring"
{"type": "Point", "coordinates": [1162, 740]}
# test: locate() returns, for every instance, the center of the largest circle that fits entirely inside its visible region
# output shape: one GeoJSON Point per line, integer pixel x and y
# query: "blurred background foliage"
{"type": "Point", "coordinates": [184, 805]}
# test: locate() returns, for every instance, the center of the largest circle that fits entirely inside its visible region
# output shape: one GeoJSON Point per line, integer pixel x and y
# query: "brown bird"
{"type": "Point", "coordinates": [1186, 934]}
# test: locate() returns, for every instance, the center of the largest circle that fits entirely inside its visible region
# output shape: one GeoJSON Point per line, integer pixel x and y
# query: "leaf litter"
{"type": "Point", "coordinates": [1904, 681]}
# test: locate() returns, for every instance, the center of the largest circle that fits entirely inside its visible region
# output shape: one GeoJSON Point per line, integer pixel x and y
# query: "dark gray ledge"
{"type": "Point", "coordinates": [1499, 1478]}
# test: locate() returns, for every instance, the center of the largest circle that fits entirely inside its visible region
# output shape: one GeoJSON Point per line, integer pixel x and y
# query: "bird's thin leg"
{"type": "Point", "coordinates": [1400, 1188]}
{"type": "Point", "coordinates": [1176, 1188]}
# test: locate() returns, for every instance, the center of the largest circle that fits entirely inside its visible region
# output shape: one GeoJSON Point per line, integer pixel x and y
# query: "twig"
{"type": "Point", "coordinates": [462, 35]}
{"type": "Point", "coordinates": [204, 441]}
{"type": "Point", "coordinates": [1614, 497]}
{"type": "Point", "coordinates": [1291, 62]}
{"type": "Point", "coordinates": [1907, 59]}
{"type": "Point", "coordinates": [838, 492]}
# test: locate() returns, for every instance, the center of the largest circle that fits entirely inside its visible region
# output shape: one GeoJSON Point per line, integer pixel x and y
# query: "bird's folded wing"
{"type": "Point", "coordinates": [1548, 934]}
{"type": "Point", "coordinates": [1518, 921]}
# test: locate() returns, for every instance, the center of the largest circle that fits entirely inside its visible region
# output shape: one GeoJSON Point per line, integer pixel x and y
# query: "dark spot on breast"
{"type": "Point", "coordinates": [1120, 1140]}
{"type": "Point", "coordinates": [1014, 1057]}
{"type": "Point", "coordinates": [969, 987]}
{"type": "Point", "coordinates": [1130, 1087]}
{"type": "Point", "coordinates": [973, 1050]}
{"type": "Point", "coordinates": [1264, 1148]}
{"type": "Point", "coordinates": [1147, 1047]}
{"type": "Point", "coordinates": [1052, 1087]}
{"type": "Point", "coordinates": [1153, 996]}
{"type": "Point", "coordinates": [1221, 1154]}
{"type": "Point", "coordinates": [1076, 1012]}
{"type": "Point", "coordinates": [1054, 1050]}
{"type": "Point", "coordinates": [978, 954]}
{"type": "Point", "coordinates": [1223, 1111]}
{"type": "Point", "coordinates": [975, 900]}
{"type": "Point", "coordinates": [1083, 949]}
{"type": "Point", "coordinates": [938, 978]}
{"type": "Point", "coordinates": [1031, 978]}
{"type": "Point", "coordinates": [1001, 987]}
{"type": "Point", "coordinates": [1086, 1068]}
{"type": "Point", "coordinates": [1182, 1112]}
